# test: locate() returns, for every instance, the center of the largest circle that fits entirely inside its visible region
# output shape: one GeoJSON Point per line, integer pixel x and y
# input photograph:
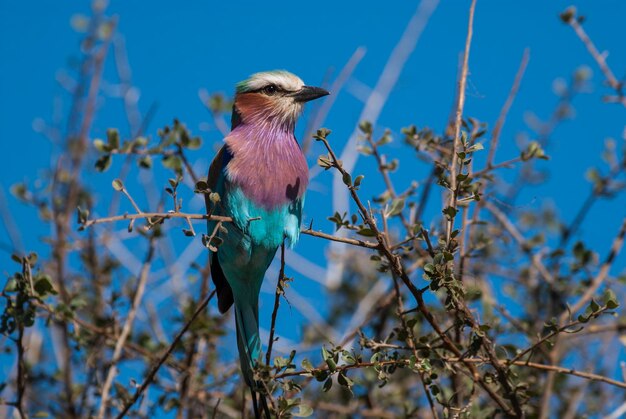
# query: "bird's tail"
{"type": "Point", "coordinates": [248, 339]}
{"type": "Point", "coordinates": [249, 344]}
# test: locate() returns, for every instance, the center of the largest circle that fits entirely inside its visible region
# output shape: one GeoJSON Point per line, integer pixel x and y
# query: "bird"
{"type": "Point", "coordinates": [260, 176]}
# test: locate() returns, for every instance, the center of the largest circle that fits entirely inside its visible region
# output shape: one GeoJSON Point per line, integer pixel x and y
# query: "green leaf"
{"type": "Point", "coordinates": [322, 133]}
{"type": "Point", "coordinates": [118, 185]}
{"type": "Point", "coordinates": [214, 197]}
{"type": "Point", "coordinates": [100, 145]}
{"type": "Point", "coordinates": [328, 358]}
{"type": "Point", "coordinates": [357, 181]}
{"type": "Point", "coordinates": [367, 232]}
{"type": "Point", "coordinates": [568, 14]}
{"type": "Point", "coordinates": [374, 358]}
{"type": "Point", "coordinates": [385, 139]}
{"type": "Point", "coordinates": [365, 150]}
{"type": "Point", "coordinates": [343, 380]}
{"type": "Point", "coordinates": [173, 162]}
{"type": "Point", "coordinates": [103, 163]}
{"type": "Point", "coordinates": [347, 179]}
{"type": "Point", "coordinates": [611, 299]}
{"type": "Point", "coordinates": [32, 258]}
{"type": "Point", "coordinates": [397, 205]}
{"type": "Point", "coordinates": [365, 127]}
{"type": "Point", "coordinates": [43, 286]}
{"type": "Point", "coordinates": [303, 411]}
{"type": "Point", "coordinates": [194, 143]}
{"type": "Point", "coordinates": [113, 138]}
{"type": "Point", "coordinates": [145, 162]}
{"type": "Point", "coordinates": [327, 384]}
{"type": "Point", "coordinates": [11, 285]}
{"type": "Point", "coordinates": [434, 389]}
{"type": "Point", "coordinates": [20, 191]}
{"type": "Point", "coordinates": [324, 162]}
{"type": "Point", "coordinates": [306, 364]}
{"type": "Point", "coordinates": [594, 306]}
{"type": "Point", "coordinates": [612, 304]}
{"type": "Point", "coordinates": [450, 212]}
{"type": "Point", "coordinates": [82, 215]}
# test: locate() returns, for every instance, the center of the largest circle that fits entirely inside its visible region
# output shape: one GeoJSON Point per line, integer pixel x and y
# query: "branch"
{"type": "Point", "coordinates": [550, 335]}
{"type": "Point", "coordinates": [597, 56]}
{"type": "Point", "coordinates": [395, 264]}
{"type": "Point", "coordinates": [457, 123]}
{"type": "Point", "coordinates": [156, 215]}
{"type": "Point", "coordinates": [279, 291]}
{"type": "Point", "coordinates": [128, 325]}
{"type": "Point", "coordinates": [155, 368]}
{"type": "Point", "coordinates": [521, 241]}
{"type": "Point", "coordinates": [353, 242]}
{"type": "Point", "coordinates": [600, 277]}
{"type": "Point", "coordinates": [404, 362]}
{"type": "Point", "coordinates": [571, 371]}
{"type": "Point", "coordinates": [495, 137]}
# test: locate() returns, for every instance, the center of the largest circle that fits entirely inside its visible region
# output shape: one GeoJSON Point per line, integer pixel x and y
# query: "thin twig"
{"type": "Point", "coordinates": [156, 215]}
{"type": "Point", "coordinates": [354, 242]}
{"type": "Point", "coordinates": [410, 340]}
{"type": "Point", "coordinates": [521, 241]}
{"type": "Point", "coordinates": [598, 280]}
{"type": "Point", "coordinates": [458, 119]}
{"type": "Point", "coordinates": [404, 362]}
{"type": "Point", "coordinates": [489, 169]}
{"type": "Point", "coordinates": [555, 332]}
{"type": "Point", "coordinates": [497, 129]}
{"type": "Point", "coordinates": [126, 329]}
{"type": "Point", "coordinates": [599, 58]}
{"type": "Point", "coordinates": [155, 368]}
{"type": "Point", "coordinates": [279, 291]}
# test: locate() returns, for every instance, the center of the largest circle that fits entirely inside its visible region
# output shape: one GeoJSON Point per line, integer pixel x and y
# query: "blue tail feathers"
{"type": "Point", "coordinates": [248, 339]}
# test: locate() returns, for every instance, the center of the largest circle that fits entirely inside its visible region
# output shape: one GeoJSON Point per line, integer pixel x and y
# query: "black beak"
{"type": "Point", "coordinates": [307, 93]}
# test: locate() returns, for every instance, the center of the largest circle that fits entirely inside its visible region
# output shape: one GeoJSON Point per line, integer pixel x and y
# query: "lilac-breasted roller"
{"type": "Point", "coordinates": [261, 173]}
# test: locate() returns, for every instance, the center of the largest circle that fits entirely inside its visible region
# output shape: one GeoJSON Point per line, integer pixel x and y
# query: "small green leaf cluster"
{"type": "Point", "coordinates": [173, 140]}
{"type": "Point", "coordinates": [22, 292]}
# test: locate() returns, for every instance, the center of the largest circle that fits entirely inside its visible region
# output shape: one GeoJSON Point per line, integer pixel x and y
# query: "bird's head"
{"type": "Point", "coordinates": [273, 97]}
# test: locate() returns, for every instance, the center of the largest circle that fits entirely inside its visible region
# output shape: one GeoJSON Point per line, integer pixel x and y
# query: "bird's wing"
{"type": "Point", "coordinates": [215, 181]}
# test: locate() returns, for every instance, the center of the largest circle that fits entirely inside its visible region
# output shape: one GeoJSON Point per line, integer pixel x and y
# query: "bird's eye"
{"type": "Point", "coordinates": [270, 90]}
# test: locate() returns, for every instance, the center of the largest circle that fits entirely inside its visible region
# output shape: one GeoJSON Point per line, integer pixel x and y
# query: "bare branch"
{"type": "Point", "coordinates": [126, 329]}
{"type": "Point", "coordinates": [155, 368]}
{"type": "Point", "coordinates": [458, 119]}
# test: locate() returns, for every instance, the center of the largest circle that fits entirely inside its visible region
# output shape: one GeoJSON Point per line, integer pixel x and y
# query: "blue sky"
{"type": "Point", "coordinates": [175, 51]}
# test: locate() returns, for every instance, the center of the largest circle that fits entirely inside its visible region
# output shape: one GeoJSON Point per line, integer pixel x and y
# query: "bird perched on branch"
{"type": "Point", "coordinates": [261, 177]}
